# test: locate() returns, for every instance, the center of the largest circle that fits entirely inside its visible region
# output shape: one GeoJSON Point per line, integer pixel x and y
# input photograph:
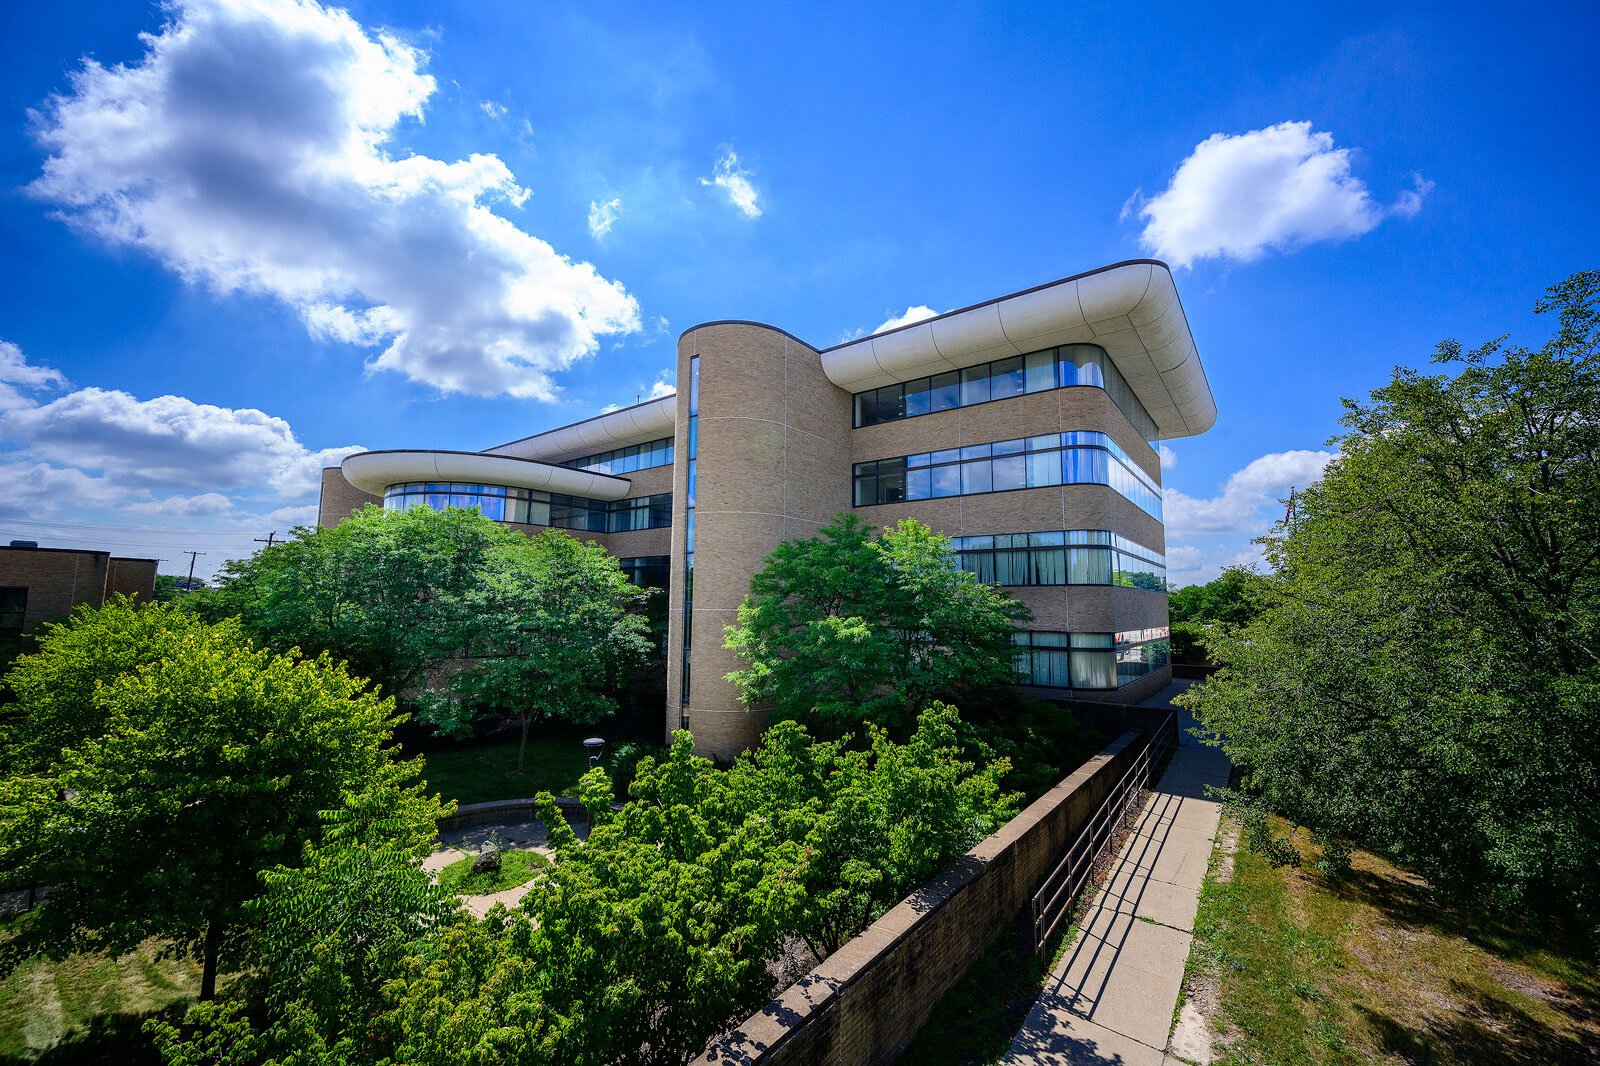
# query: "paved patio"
{"type": "Point", "coordinates": [1111, 997]}
{"type": "Point", "coordinates": [460, 844]}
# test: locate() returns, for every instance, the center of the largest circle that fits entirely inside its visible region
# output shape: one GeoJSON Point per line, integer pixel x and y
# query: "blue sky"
{"type": "Point", "coordinates": [243, 236]}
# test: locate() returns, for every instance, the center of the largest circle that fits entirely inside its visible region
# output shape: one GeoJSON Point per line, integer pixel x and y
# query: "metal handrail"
{"type": "Point", "coordinates": [1053, 901]}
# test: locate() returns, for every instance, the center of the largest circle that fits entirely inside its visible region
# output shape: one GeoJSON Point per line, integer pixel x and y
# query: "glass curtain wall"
{"type": "Point", "coordinates": [1075, 458]}
{"type": "Point", "coordinates": [1065, 557]}
{"type": "Point", "coordinates": [626, 460]}
{"type": "Point", "coordinates": [1068, 366]}
{"type": "Point", "coordinates": [505, 503]}
{"type": "Point", "coordinates": [1099, 661]}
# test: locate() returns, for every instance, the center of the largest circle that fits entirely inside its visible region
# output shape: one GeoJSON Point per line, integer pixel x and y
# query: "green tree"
{"type": "Point", "coordinates": [1226, 598]}
{"type": "Point", "coordinates": [557, 623]}
{"type": "Point", "coordinates": [55, 706]}
{"type": "Point", "coordinates": [328, 936]}
{"type": "Point", "coordinates": [847, 627]}
{"type": "Point", "coordinates": [384, 591]}
{"type": "Point", "coordinates": [1423, 676]}
{"type": "Point", "coordinates": [450, 611]}
{"type": "Point", "coordinates": [665, 925]}
{"type": "Point", "coordinates": [169, 587]}
{"type": "Point", "coordinates": [872, 823]}
{"type": "Point", "coordinates": [187, 776]}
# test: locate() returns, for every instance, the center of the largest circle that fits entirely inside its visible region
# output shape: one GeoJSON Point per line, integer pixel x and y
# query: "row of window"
{"type": "Point", "coordinates": [1090, 660]}
{"type": "Point", "coordinates": [1075, 458]}
{"type": "Point", "coordinates": [1065, 557]}
{"type": "Point", "coordinates": [1053, 368]}
{"type": "Point", "coordinates": [531, 507]}
{"type": "Point", "coordinates": [626, 460]}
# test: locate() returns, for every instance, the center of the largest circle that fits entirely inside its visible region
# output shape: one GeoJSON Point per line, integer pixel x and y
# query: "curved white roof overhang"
{"type": "Point", "coordinates": [373, 472]}
{"type": "Point", "coordinates": [638, 424]}
{"type": "Point", "coordinates": [1130, 309]}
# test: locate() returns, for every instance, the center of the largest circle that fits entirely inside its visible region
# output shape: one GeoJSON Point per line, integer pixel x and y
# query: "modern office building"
{"type": "Point", "coordinates": [1024, 427]}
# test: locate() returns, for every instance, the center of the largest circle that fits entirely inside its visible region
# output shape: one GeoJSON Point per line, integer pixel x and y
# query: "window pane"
{"type": "Point", "coordinates": [1005, 378]}
{"type": "Point", "coordinates": [919, 484]}
{"type": "Point", "coordinates": [891, 485]}
{"type": "Point", "coordinates": [866, 491]}
{"type": "Point", "coordinates": [1049, 566]}
{"type": "Point", "coordinates": [976, 477]}
{"type": "Point", "coordinates": [1044, 468]}
{"type": "Point", "coordinates": [891, 403]}
{"type": "Point", "coordinates": [918, 402]}
{"type": "Point", "coordinates": [946, 391]}
{"type": "Point", "coordinates": [1011, 567]}
{"type": "Point", "coordinates": [1088, 566]}
{"type": "Point", "coordinates": [866, 408]}
{"type": "Point", "coordinates": [1010, 472]}
{"type": "Point", "coordinates": [974, 385]}
{"type": "Point", "coordinates": [1040, 370]}
{"type": "Point", "coordinates": [947, 481]}
{"type": "Point", "coordinates": [1094, 669]}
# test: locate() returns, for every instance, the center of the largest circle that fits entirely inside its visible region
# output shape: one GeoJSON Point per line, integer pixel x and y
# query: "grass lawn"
{"type": "Point", "coordinates": [1289, 968]}
{"type": "Point", "coordinates": [516, 868]}
{"type": "Point", "coordinates": [482, 772]}
{"type": "Point", "coordinates": [88, 1008]}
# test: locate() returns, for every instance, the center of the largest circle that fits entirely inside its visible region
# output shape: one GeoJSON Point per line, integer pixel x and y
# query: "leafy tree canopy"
{"type": "Point", "coordinates": [668, 923]}
{"type": "Point", "coordinates": [1226, 598]}
{"type": "Point", "coordinates": [448, 608]}
{"type": "Point", "coordinates": [189, 761]}
{"type": "Point", "coordinates": [1424, 676]}
{"type": "Point", "coordinates": [845, 627]}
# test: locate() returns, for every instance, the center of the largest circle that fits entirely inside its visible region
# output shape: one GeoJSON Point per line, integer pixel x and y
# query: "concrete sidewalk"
{"type": "Point", "coordinates": [1111, 997]}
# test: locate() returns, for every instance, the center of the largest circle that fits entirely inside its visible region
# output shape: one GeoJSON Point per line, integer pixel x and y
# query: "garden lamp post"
{"type": "Point", "coordinates": [595, 747]}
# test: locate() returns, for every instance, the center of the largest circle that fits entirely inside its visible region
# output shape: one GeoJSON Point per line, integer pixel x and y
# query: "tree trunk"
{"type": "Point", "coordinates": [213, 948]}
{"type": "Point", "coordinates": [522, 749]}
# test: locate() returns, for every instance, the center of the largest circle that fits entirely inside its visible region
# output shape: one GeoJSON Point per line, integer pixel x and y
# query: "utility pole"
{"type": "Point", "coordinates": [189, 585]}
{"type": "Point", "coordinates": [268, 539]}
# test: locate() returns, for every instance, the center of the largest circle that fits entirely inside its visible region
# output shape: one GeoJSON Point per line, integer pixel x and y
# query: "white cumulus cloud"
{"type": "Point", "coordinates": [1242, 506]}
{"type": "Point", "coordinates": [911, 314]}
{"type": "Point", "coordinates": [251, 148]}
{"type": "Point", "coordinates": [493, 109]}
{"type": "Point", "coordinates": [17, 376]}
{"type": "Point", "coordinates": [735, 183]}
{"type": "Point", "coordinates": [204, 503]}
{"type": "Point", "coordinates": [1282, 187]}
{"type": "Point", "coordinates": [603, 216]}
{"type": "Point", "coordinates": [1169, 458]}
{"type": "Point", "coordinates": [169, 443]}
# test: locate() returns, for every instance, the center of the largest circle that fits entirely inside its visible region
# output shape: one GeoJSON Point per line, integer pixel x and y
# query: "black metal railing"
{"type": "Point", "coordinates": [1053, 903]}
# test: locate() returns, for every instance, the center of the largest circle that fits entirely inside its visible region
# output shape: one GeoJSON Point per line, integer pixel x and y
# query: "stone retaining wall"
{"type": "Point", "coordinates": [866, 1001]}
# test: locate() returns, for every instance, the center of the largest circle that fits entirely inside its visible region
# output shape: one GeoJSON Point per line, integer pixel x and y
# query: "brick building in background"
{"type": "Point", "coordinates": [40, 585]}
{"type": "Point", "coordinates": [1025, 428]}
